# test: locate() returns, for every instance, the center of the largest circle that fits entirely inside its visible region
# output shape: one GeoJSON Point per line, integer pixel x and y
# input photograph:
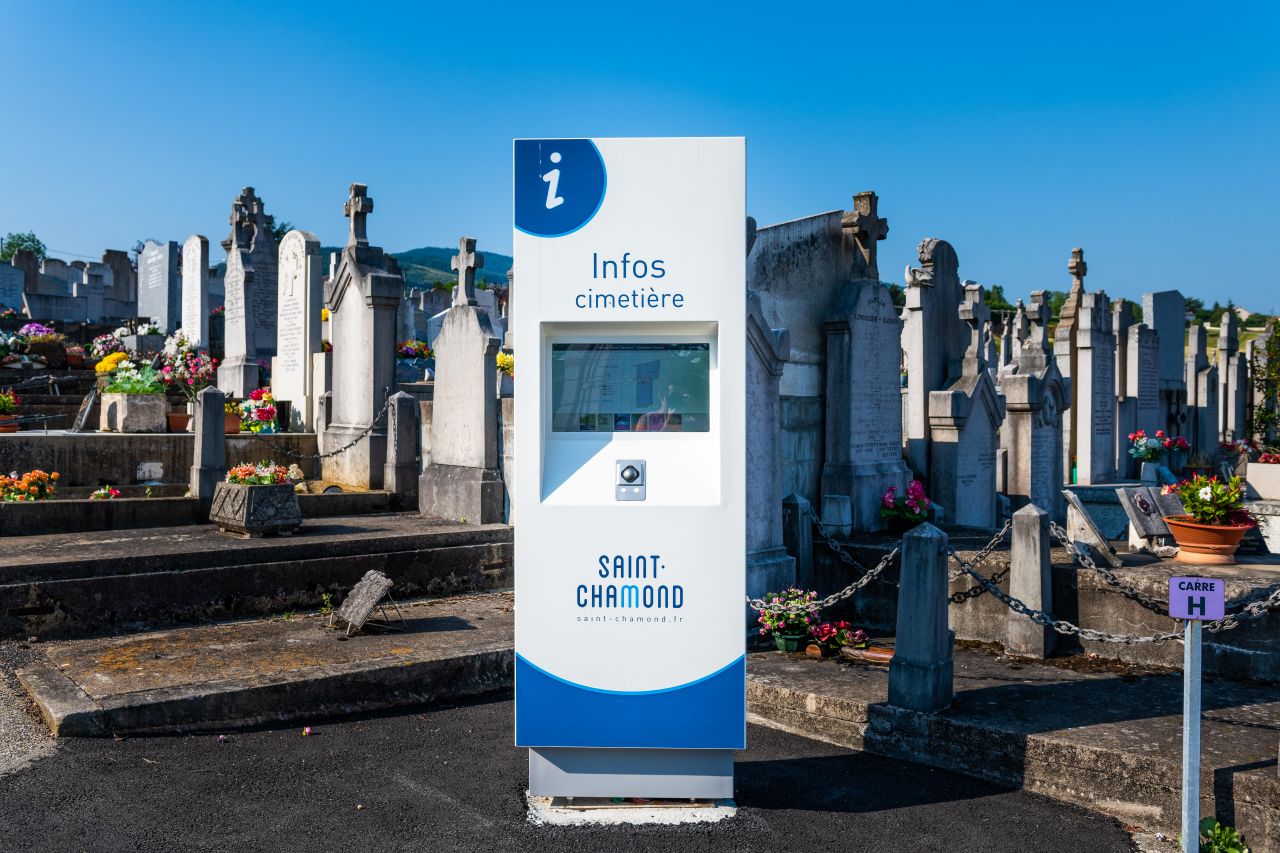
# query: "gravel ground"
{"type": "Point", "coordinates": [23, 738]}
{"type": "Point", "coordinates": [449, 779]}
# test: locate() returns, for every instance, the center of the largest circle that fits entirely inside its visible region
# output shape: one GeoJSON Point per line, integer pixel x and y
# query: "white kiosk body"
{"type": "Point", "coordinates": [630, 475]}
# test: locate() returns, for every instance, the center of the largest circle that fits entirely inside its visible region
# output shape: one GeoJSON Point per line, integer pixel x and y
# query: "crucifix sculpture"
{"type": "Point", "coordinates": [1078, 268]}
{"type": "Point", "coordinates": [465, 264]}
{"type": "Point", "coordinates": [1037, 316]}
{"type": "Point", "coordinates": [867, 228]}
{"type": "Point", "coordinates": [975, 312]}
{"type": "Point", "coordinates": [240, 220]}
{"type": "Point", "coordinates": [357, 208]}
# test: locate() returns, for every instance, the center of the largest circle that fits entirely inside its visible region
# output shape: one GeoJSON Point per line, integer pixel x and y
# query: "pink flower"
{"type": "Point", "coordinates": [889, 500]}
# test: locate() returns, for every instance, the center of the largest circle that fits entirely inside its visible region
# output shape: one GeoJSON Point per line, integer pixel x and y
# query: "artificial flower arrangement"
{"type": "Point", "coordinates": [413, 349]}
{"type": "Point", "coordinates": [836, 635]}
{"type": "Point", "coordinates": [185, 367]}
{"type": "Point", "coordinates": [262, 474]}
{"type": "Point", "coordinates": [326, 346]}
{"type": "Point", "coordinates": [106, 493]}
{"type": "Point", "coordinates": [109, 363]}
{"type": "Point", "coordinates": [1239, 446]}
{"type": "Point", "coordinates": [128, 378]}
{"type": "Point", "coordinates": [219, 311]}
{"type": "Point", "coordinates": [258, 413]}
{"type": "Point", "coordinates": [104, 345]}
{"type": "Point", "coordinates": [506, 363]}
{"type": "Point", "coordinates": [1269, 458]}
{"type": "Point", "coordinates": [32, 486]}
{"type": "Point", "coordinates": [912, 508]}
{"type": "Point", "coordinates": [147, 328]}
{"type": "Point", "coordinates": [1145, 448]}
{"type": "Point", "coordinates": [7, 313]}
{"type": "Point", "coordinates": [795, 623]}
{"type": "Point", "coordinates": [9, 403]}
{"type": "Point", "coordinates": [37, 330]}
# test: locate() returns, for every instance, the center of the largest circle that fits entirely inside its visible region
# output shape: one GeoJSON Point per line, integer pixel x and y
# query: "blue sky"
{"type": "Point", "coordinates": [1148, 134]}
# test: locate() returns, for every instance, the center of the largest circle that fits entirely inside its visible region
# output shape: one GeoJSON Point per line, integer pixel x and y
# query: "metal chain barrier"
{"type": "Point", "coordinates": [37, 381]}
{"type": "Point", "coordinates": [293, 454]}
{"type": "Point", "coordinates": [1130, 592]}
{"type": "Point", "coordinates": [969, 566]}
{"type": "Point", "coordinates": [759, 604]}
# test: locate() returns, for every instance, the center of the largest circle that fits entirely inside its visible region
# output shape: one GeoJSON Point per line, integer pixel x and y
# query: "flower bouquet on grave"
{"type": "Point", "coordinates": [32, 486]}
{"type": "Point", "coordinates": [185, 367]}
{"type": "Point", "coordinates": [106, 493]}
{"type": "Point", "coordinates": [255, 500]}
{"type": "Point", "coordinates": [901, 513]}
{"type": "Point", "coordinates": [7, 313]}
{"type": "Point", "coordinates": [262, 474]}
{"type": "Point", "coordinates": [1215, 519]}
{"type": "Point", "coordinates": [830, 637]}
{"type": "Point", "coordinates": [258, 413]}
{"type": "Point", "coordinates": [507, 364]}
{"type": "Point", "coordinates": [105, 345]}
{"type": "Point", "coordinates": [9, 403]}
{"type": "Point", "coordinates": [413, 349]}
{"type": "Point", "coordinates": [790, 628]}
{"type": "Point", "coordinates": [1145, 448]}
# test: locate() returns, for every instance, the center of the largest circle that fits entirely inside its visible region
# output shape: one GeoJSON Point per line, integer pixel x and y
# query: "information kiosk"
{"type": "Point", "coordinates": [629, 494]}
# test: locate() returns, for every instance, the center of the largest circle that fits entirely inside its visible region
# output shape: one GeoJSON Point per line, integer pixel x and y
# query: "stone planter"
{"type": "Point", "coordinates": [255, 510]}
{"type": "Point", "coordinates": [1205, 544]}
{"type": "Point", "coordinates": [134, 413]}
{"type": "Point", "coordinates": [1264, 480]}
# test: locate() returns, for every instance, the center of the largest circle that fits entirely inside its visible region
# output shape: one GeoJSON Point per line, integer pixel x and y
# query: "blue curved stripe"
{"type": "Point", "coordinates": [709, 713]}
{"type": "Point", "coordinates": [532, 665]}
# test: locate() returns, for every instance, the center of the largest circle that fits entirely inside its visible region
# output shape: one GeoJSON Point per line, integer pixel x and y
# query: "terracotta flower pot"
{"type": "Point", "coordinates": [178, 421]}
{"type": "Point", "coordinates": [1206, 544]}
{"type": "Point", "coordinates": [8, 423]}
{"type": "Point", "coordinates": [231, 424]}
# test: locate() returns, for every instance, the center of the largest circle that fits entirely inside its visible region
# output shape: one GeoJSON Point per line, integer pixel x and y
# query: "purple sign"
{"type": "Point", "coordinates": [1197, 598]}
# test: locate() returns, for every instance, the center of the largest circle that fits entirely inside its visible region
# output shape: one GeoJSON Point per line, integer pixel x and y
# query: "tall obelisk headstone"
{"type": "Point", "coordinates": [238, 373]}
{"type": "Point", "coordinates": [195, 290]}
{"type": "Point", "coordinates": [300, 296]}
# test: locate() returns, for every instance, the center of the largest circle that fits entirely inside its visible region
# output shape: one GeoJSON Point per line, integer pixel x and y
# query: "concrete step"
{"type": "Point", "coordinates": [284, 670]}
{"type": "Point", "coordinates": [73, 584]}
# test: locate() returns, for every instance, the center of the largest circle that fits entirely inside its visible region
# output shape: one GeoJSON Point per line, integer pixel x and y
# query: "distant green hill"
{"type": "Point", "coordinates": [429, 265]}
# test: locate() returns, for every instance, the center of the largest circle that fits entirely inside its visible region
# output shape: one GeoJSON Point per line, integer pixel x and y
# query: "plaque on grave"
{"type": "Point", "coordinates": [1140, 505]}
{"type": "Point", "coordinates": [365, 597]}
{"type": "Point", "coordinates": [1085, 533]}
{"type": "Point", "coordinates": [1169, 504]}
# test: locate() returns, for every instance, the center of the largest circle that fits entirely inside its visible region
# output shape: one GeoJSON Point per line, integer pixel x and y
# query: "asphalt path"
{"type": "Point", "coordinates": [448, 779]}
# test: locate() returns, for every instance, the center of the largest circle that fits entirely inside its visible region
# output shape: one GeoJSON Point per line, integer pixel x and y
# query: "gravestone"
{"type": "Point", "coordinates": [195, 290]}
{"type": "Point", "coordinates": [921, 671]}
{"type": "Point", "coordinates": [11, 287]}
{"type": "Point", "coordinates": [124, 278]}
{"type": "Point", "coordinates": [209, 465]}
{"type": "Point", "coordinates": [509, 341]}
{"type": "Point", "coordinates": [299, 298]}
{"type": "Point", "coordinates": [159, 284]}
{"type": "Point", "coordinates": [1031, 582]}
{"type": "Point", "coordinates": [1234, 391]}
{"type": "Point", "coordinates": [1082, 531]}
{"type": "Point", "coordinates": [963, 420]}
{"type": "Point", "coordinates": [1144, 514]}
{"type": "Point", "coordinates": [238, 374]}
{"type": "Point", "coordinates": [1138, 405]}
{"type": "Point", "coordinates": [362, 296]}
{"type": "Point", "coordinates": [933, 341]}
{"type": "Point", "coordinates": [1036, 395]}
{"type": "Point", "coordinates": [462, 480]}
{"type": "Point", "coordinates": [405, 327]}
{"type": "Point", "coordinates": [254, 235]}
{"type": "Point", "coordinates": [1091, 427]}
{"type": "Point", "coordinates": [1065, 342]}
{"type": "Point", "coordinates": [363, 599]}
{"type": "Point", "coordinates": [863, 455]}
{"type": "Point", "coordinates": [1202, 395]}
{"type": "Point", "coordinates": [1166, 313]}
{"type": "Point", "coordinates": [1006, 339]}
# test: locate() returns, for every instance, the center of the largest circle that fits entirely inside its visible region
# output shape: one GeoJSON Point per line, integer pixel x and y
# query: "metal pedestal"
{"type": "Point", "coordinates": [701, 774]}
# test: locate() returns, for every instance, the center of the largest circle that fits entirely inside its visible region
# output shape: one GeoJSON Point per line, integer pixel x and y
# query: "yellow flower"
{"type": "Point", "coordinates": [324, 314]}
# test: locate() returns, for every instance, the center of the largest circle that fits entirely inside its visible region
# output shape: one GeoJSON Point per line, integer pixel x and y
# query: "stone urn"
{"type": "Point", "coordinates": [255, 510]}
{"type": "Point", "coordinates": [134, 413]}
{"type": "Point", "coordinates": [1205, 544]}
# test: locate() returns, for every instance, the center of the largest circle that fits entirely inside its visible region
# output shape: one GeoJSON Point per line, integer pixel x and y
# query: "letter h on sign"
{"type": "Point", "coordinates": [1201, 599]}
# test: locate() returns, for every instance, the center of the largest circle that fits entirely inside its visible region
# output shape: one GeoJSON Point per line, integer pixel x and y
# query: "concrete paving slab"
{"type": "Point", "coordinates": [245, 674]}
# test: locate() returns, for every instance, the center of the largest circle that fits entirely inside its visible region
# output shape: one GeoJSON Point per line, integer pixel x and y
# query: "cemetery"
{"type": "Point", "coordinates": [206, 481]}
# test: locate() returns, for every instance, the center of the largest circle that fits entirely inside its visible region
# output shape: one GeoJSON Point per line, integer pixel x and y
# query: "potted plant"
{"type": "Point", "coordinates": [1215, 519]}
{"type": "Point", "coordinates": [9, 403]}
{"type": "Point", "coordinates": [1147, 450]}
{"type": "Point", "coordinates": [790, 628]}
{"type": "Point", "coordinates": [75, 355]}
{"type": "Point", "coordinates": [231, 417]}
{"type": "Point", "coordinates": [1263, 475]}
{"type": "Point", "coordinates": [186, 368]}
{"type": "Point", "coordinates": [44, 343]}
{"type": "Point", "coordinates": [901, 513]}
{"type": "Point", "coordinates": [133, 400]}
{"type": "Point", "coordinates": [258, 413]}
{"type": "Point", "coordinates": [255, 500]}
{"type": "Point", "coordinates": [32, 486]}
{"type": "Point", "coordinates": [830, 637]}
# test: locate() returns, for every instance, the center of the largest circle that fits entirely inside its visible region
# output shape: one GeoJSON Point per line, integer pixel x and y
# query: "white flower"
{"type": "Point", "coordinates": [121, 332]}
{"type": "Point", "coordinates": [1206, 493]}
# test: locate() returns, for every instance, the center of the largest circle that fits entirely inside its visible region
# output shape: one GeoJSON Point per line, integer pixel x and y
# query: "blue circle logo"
{"type": "Point", "coordinates": [559, 185]}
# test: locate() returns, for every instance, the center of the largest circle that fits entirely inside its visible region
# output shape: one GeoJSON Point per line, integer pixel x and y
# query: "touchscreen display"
{"type": "Point", "coordinates": [631, 387]}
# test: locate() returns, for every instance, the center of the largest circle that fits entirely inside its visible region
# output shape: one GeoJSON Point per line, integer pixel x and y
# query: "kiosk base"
{"type": "Point", "coordinates": [703, 774]}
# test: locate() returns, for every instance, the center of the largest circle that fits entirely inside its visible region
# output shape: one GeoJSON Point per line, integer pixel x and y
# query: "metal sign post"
{"type": "Point", "coordinates": [1195, 600]}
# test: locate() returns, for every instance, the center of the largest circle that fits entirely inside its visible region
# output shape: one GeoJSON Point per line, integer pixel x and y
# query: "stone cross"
{"type": "Point", "coordinates": [357, 208]}
{"type": "Point", "coordinates": [465, 264]}
{"type": "Point", "coordinates": [867, 228]}
{"type": "Point", "coordinates": [1078, 268]}
{"type": "Point", "coordinates": [975, 312]}
{"type": "Point", "coordinates": [1037, 317]}
{"type": "Point", "coordinates": [240, 220]}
